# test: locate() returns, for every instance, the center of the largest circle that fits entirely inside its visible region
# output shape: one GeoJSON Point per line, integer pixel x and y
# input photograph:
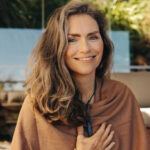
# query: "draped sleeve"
{"type": "Point", "coordinates": [25, 135]}
{"type": "Point", "coordinates": [118, 106]}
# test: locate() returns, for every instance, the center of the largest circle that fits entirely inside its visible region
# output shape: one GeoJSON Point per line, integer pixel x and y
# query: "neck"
{"type": "Point", "coordinates": [85, 84]}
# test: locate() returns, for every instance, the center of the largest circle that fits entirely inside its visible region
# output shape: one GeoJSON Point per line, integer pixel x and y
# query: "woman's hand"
{"type": "Point", "coordinates": [101, 140]}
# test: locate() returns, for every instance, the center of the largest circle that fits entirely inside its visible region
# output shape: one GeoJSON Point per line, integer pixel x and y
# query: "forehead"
{"type": "Point", "coordinates": [82, 23]}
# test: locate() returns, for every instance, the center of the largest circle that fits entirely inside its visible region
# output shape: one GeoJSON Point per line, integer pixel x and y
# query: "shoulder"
{"type": "Point", "coordinates": [116, 89]}
{"type": "Point", "coordinates": [27, 105]}
{"type": "Point", "coordinates": [114, 85]}
{"type": "Point", "coordinates": [27, 114]}
{"type": "Point", "coordinates": [25, 133]}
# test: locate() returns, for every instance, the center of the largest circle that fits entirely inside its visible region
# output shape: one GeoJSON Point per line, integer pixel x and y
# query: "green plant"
{"type": "Point", "coordinates": [26, 13]}
{"type": "Point", "coordinates": [133, 16]}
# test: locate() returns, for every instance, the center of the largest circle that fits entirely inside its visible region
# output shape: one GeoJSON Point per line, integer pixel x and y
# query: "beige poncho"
{"type": "Point", "coordinates": [117, 107]}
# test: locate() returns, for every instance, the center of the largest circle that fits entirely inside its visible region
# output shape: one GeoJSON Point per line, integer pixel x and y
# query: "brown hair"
{"type": "Point", "coordinates": [49, 82]}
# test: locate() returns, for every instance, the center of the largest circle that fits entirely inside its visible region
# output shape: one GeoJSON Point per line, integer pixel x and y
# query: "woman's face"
{"type": "Point", "coordinates": [85, 45]}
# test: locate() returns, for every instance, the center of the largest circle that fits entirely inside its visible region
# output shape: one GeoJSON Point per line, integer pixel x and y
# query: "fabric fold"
{"type": "Point", "coordinates": [117, 106]}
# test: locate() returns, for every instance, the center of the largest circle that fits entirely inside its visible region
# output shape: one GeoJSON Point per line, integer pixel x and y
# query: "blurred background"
{"type": "Point", "coordinates": [22, 23]}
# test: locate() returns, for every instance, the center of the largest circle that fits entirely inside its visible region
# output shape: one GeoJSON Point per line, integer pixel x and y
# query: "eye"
{"type": "Point", "coordinates": [71, 40]}
{"type": "Point", "coordinates": [94, 37]}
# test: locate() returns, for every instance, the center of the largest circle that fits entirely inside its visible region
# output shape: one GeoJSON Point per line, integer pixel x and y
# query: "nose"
{"type": "Point", "coordinates": [84, 46]}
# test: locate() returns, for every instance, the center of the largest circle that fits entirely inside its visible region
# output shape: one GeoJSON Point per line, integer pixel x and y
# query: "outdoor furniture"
{"type": "Point", "coordinates": [10, 105]}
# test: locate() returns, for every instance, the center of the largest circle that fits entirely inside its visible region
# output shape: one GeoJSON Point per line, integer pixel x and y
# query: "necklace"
{"type": "Point", "coordinates": [93, 94]}
{"type": "Point", "coordinates": [88, 102]}
{"type": "Point", "coordinates": [87, 119]}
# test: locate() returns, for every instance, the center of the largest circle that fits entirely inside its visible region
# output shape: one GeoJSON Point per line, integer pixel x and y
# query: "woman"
{"type": "Point", "coordinates": [71, 103]}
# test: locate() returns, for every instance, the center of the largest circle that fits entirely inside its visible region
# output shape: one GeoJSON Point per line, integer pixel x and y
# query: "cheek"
{"type": "Point", "coordinates": [67, 52]}
{"type": "Point", "coordinates": [68, 56]}
{"type": "Point", "coordinates": [99, 59]}
{"type": "Point", "coordinates": [70, 51]}
{"type": "Point", "coordinates": [97, 45]}
{"type": "Point", "coordinates": [99, 49]}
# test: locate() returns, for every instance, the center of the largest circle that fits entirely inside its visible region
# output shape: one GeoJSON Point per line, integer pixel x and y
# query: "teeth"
{"type": "Point", "coordinates": [86, 58]}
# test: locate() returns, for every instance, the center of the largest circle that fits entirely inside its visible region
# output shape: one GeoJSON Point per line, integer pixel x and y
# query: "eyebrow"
{"type": "Point", "coordinates": [78, 35]}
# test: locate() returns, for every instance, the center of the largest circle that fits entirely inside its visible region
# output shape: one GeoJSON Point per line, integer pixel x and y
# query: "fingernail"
{"type": "Point", "coordinates": [104, 124]}
{"type": "Point", "coordinates": [110, 125]}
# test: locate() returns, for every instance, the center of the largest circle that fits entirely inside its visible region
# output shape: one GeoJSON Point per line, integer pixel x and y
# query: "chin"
{"type": "Point", "coordinates": [84, 72]}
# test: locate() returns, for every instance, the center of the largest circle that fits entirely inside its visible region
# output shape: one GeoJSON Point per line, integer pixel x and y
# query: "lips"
{"type": "Point", "coordinates": [85, 58]}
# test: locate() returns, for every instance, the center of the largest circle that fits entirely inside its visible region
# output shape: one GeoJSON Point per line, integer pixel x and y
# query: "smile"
{"type": "Point", "coordinates": [86, 58]}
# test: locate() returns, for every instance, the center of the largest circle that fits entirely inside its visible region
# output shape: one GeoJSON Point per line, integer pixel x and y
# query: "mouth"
{"type": "Point", "coordinates": [88, 58]}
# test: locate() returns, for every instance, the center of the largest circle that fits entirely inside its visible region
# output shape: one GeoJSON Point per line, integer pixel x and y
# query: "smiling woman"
{"type": "Point", "coordinates": [71, 102]}
{"type": "Point", "coordinates": [85, 46]}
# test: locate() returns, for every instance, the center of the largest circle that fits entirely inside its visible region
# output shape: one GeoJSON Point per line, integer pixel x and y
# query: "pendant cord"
{"type": "Point", "coordinates": [95, 87]}
{"type": "Point", "coordinates": [87, 120]}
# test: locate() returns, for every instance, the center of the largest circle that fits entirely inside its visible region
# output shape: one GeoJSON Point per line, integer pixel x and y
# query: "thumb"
{"type": "Point", "coordinates": [80, 130]}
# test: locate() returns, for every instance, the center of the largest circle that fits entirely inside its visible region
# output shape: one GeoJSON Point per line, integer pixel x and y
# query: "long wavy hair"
{"type": "Point", "coordinates": [49, 81]}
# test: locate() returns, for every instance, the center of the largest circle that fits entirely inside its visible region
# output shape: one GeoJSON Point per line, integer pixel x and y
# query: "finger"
{"type": "Point", "coordinates": [108, 139]}
{"type": "Point", "coordinates": [80, 130]}
{"type": "Point", "coordinates": [110, 146]}
{"type": "Point", "coordinates": [106, 133]}
{"type": "Point", "coordinates": [101, 130]}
